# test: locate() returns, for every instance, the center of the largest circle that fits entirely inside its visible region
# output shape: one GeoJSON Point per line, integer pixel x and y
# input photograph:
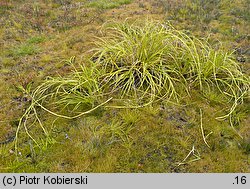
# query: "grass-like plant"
{"type": "Point", "coordinates": [141, 63]}
{"type": "Point", "coordinates": [155, 60]}
{"type": "Point", "coordinates": [136, 62]}
{"type": "Point", "coordinates": [66, 97]}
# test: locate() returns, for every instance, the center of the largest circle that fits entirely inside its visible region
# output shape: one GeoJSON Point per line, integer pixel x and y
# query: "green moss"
{"type": "Point", "coordinates": [107, 4]}
{"type": "Point", "coordinates": [23, 50]}
{"type": "Point", "coordinates": [36, 40]}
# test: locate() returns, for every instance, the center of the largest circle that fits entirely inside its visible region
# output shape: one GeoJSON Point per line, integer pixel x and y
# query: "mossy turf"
{"type": "Point", "coordinates": [38, 39]}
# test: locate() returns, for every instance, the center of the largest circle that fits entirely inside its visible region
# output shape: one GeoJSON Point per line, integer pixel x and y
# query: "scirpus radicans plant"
{"type": "Point", "coordinates": [138, 64]}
